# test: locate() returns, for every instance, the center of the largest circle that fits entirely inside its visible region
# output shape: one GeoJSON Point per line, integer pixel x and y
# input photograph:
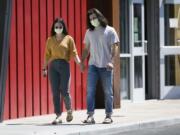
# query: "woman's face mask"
{"type": "Point", "coordinates": [58, 29]}
{"type": "Point", "coordinates": [95, 22]}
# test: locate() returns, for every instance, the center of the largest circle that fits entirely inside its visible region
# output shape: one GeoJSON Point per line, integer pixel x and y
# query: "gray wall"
{"type": "Point", "coordinates": [5, 15]}
{"type": "Point", "coordinates": [2, 15]}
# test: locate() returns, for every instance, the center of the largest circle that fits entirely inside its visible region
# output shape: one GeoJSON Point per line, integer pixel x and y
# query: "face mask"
{"type": "Point", "coordinates": [58, 30]}
{"type": "Point", "coordinates": [95, 22]}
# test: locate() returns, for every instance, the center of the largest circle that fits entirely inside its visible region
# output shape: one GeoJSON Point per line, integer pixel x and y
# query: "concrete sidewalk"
{"type": "Point", "coordinates": [131, 116]}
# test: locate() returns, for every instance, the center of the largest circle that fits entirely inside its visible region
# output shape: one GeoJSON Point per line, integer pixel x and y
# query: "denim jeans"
{"type": "Point", "coordinates": [105, 76]}
{"type": "Point", "coordinates": [59, 75]}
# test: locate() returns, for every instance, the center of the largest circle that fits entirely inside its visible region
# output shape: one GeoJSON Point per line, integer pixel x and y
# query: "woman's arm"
{"type": "Point", "coordinates": [77, 59]}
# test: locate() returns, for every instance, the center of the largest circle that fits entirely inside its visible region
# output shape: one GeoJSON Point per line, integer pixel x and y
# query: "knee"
{"type": "Point", "coordinates": [90, 95]}
{"type": "Point", "coordinates": [65, 93]}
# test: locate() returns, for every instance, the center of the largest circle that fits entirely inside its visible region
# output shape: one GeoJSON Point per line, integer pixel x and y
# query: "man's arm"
{"type": "Point", "coordinates": [85, 53]}
{"type": "Point", "coordinates": [114, 52]}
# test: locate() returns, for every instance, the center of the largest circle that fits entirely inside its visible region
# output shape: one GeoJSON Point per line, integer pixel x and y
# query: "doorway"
{"type": "Point", "coordinates": [169, 49]}
{"type": "Point", "coordinates": [133, 51]}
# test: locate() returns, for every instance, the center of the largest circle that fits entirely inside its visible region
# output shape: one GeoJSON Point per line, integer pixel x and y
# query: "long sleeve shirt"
{"type": "Point", "coordinates": [64, 49]}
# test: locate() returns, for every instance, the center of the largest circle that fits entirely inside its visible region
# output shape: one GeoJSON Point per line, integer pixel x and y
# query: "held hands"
{"type": "Point", "coordinates": [80, 63]}
{"type": "Point", "coordinates": [82, 67]}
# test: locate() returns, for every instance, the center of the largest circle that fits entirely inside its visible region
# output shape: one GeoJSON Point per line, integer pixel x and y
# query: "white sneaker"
{"type": "Point", "coordinates": [107, 120]}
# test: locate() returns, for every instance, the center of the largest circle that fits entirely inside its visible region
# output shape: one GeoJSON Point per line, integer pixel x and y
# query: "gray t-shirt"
{"type": "Point", "coordinates": [100, 41]}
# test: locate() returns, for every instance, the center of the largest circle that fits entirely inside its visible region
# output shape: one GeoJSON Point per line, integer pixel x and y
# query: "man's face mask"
{"type": "Point", "coordinates": [95, 22]}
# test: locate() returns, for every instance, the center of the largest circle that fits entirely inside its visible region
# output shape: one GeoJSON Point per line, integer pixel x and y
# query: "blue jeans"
{"type": "Point", "coordinates": [105, 76]}
{"type": "Point", "coordinates": [59, 75]}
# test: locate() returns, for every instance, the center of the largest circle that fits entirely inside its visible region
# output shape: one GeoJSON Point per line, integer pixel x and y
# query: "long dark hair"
{"type": "Point", "coordinates": [61, 21]}
{"type": "Point", "coordinates": [103, 21]}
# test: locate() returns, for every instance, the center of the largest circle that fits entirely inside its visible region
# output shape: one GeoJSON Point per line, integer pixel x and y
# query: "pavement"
{"type": "Point", "coordinates": [131, 116]}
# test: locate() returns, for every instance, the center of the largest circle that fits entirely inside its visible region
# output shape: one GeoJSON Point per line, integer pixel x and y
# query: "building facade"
{"type": "Point", "coordinates": [27, 92]}
{"type": "Point", "coordinates": [150, 51]}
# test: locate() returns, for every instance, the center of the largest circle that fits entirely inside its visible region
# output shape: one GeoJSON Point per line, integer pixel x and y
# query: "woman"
{"type": "Point", "coordinates": [60, 47]}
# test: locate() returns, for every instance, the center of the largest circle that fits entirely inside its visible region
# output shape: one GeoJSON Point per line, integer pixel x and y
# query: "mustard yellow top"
{"type": "Point", "coordinates": [64, 49]}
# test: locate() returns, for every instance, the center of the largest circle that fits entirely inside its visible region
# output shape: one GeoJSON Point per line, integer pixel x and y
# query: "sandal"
{"type": "Point", "coordinates": [89, 120]}
{"type": "Point", "coordinates": [69, 116]}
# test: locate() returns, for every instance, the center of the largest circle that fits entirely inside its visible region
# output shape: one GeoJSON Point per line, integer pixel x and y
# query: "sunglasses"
{"type": "Point", "coordinates": [58, 27]}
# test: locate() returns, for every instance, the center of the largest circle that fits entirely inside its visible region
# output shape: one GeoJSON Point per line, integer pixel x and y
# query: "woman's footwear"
{"type": "Point", "coordinates": [58, 120]}
{"type": "Point", "coordinates": [69, 116]}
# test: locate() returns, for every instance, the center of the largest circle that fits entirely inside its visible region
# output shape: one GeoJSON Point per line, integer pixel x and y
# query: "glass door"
{"type": "Point", "coordinates": [170, 49]}
{"type": "Point", "coordinates": [138, 49]}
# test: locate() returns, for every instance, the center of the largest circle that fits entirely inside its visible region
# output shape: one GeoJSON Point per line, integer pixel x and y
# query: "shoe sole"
{"type": "Point", "coordinates": [107, 122]}
{"type": "Point", "coordinates": [85, 122]}
{"type": "Point", "coordinates": [56, 123]}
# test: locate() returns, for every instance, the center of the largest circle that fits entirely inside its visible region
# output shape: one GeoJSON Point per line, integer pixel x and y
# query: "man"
{"type": "Point", "coordinates": [101, 42]}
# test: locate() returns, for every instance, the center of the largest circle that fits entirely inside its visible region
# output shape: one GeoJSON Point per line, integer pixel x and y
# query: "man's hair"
{"type": "Point", "coordinates": [103, 21]}
{"type": "Point", "coordinates": [61, 21]}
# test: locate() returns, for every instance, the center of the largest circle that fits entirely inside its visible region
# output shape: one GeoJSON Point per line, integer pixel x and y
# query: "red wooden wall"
{"type": "Point", "coordinates": [27, 92]}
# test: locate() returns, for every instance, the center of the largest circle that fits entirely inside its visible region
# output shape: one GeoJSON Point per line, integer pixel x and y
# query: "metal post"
{"type": "Point", "coordinates": [5, 17]}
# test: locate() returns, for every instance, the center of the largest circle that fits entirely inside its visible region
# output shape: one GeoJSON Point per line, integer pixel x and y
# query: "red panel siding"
{"type": "Point", "coordinates": [83, 22]}
{"type": "Point", "coordinates": [21, 58]}
{"type": "Point", "coordinates": [28, 93]}
{"type": "Point", "coordinates": [50, 19]}
{"type": "Point", "coordinates": [71, 28]}
{"type": "Point", "coordinates": [57, 8]}
{"type": "Point", "coordinates": [13, 66]}
{"type": "Point", "coordinates": [78, 94]}
{"type": "Point", "coordinates": [36, 57]}
{"type": "Point", "coordinates": [43, 36]}
{"type": "Point", "coordinates": [28, 57]}
{"type": "Point", "coordinates": [64, 10]}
